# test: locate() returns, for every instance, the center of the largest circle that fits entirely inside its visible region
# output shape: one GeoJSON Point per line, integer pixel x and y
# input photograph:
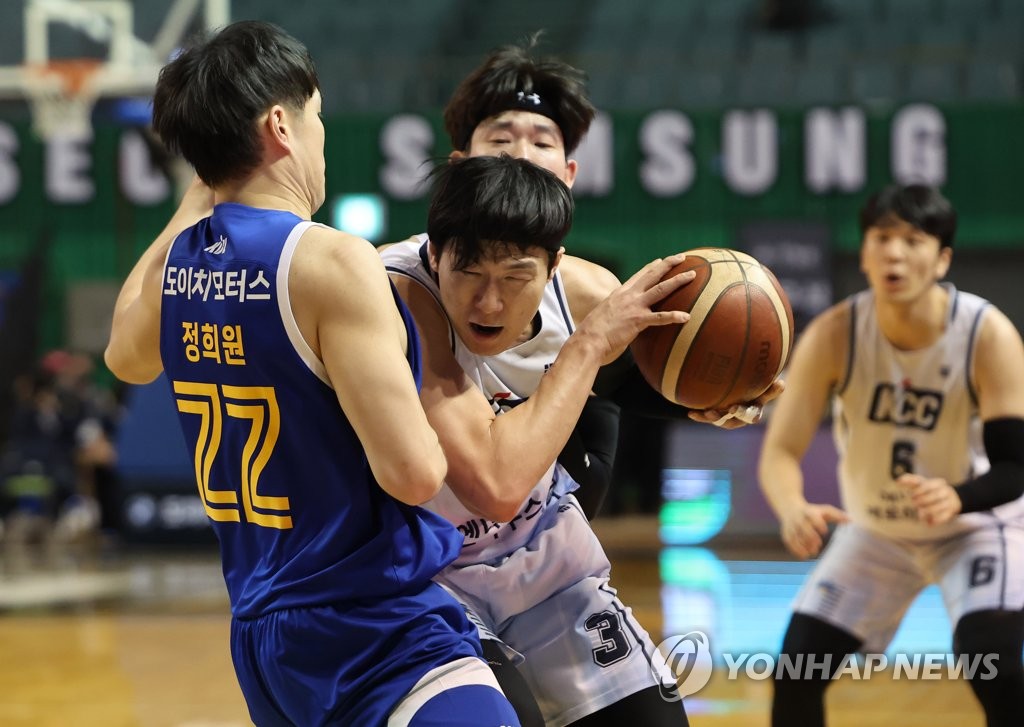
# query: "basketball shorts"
{"type": "Point", "coordinates": [463, 693]}
{"type": "Point", "coordinates": [865, 582]}
{"type": "Point", "coordinates": [351, 666]}
{"type": "Point", "coordinates": [551, 606]}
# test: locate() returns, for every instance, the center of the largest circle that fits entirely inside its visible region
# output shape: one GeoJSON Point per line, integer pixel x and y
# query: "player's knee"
{"type": "Point", "coordinates": [989, 645]}
{"type": "Point", "coordinates": [475, 705]}
{"type": "Point", "coordinates": [815, 647]}
{"type": "Point", "coordinates": [991, 632]}
{"type": "Point", "coordinates": [512, 683]}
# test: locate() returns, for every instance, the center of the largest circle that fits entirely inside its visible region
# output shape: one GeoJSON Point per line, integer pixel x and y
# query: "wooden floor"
{"type": "Point", "coordinates": [141, 640]}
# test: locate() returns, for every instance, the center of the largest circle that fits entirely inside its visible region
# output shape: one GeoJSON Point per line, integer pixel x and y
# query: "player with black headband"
{"type": "Point", "coordinates": [538, 109]}
{"type": "Point", "coordinates": [531, 571]}
{"type": "Point", "coordinates": [928, 390]}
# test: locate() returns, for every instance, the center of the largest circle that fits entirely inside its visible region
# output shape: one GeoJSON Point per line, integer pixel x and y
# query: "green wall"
{"type": "Point", "coordinates": [101, 239]}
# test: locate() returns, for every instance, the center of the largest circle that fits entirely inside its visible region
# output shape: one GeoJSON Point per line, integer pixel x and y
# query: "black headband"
{"type": "Point", "coordinates": [520, 101]}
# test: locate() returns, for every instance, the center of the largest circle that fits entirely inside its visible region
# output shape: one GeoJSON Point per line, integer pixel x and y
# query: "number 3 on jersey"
{"type": "Point", "coordinates": [258, 404]}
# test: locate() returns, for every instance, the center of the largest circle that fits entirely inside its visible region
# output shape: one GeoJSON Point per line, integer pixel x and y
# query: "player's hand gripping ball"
{"type": "Point", "coordinates": [738, 338]}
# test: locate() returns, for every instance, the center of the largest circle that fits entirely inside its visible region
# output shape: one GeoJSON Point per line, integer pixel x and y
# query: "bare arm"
{"type": "Point", "coordinates": [494, 462]}
{"type": "Point", "coordinates": [818, 362]}
{"type": "Point", "coordinates": [346, 312]}
{"type": "Point", "coordinates": [133, 352]}
{"type": "Point", "coordinates": [999, 368]}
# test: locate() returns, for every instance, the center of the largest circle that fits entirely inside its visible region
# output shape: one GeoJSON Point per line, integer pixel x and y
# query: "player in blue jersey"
{"type": "Point", "coordinates": [295, 370]}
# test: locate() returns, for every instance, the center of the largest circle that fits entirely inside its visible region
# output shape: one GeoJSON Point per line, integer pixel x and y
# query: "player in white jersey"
{"type": "Point", "coordinates": [496, 329]}
{"type": "Point", "coordinates": [534, 574]}
{"type": "Point", "coordinates": [928, 389]}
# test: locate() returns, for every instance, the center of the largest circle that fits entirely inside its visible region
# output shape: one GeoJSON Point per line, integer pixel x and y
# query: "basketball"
{"type": "Point", "coordinates": [737, 340]}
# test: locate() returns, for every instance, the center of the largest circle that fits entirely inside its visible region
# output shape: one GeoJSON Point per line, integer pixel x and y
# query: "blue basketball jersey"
{"type": "Point", "coordinates": [285, 482]}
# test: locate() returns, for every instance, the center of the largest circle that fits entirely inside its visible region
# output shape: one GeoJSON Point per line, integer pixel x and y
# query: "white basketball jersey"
{"type": "Point", "coordinates": [506, 379]}
{"type": "Point", "coordinates": [910, 411]}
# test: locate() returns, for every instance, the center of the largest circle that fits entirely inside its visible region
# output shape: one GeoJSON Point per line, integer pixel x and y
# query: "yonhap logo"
{"type": "Point", "coordinates": [688, 658]}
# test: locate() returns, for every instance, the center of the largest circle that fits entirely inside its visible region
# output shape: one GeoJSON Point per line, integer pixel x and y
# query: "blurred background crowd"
{"type": "Point", "coordinates": [755, 124]}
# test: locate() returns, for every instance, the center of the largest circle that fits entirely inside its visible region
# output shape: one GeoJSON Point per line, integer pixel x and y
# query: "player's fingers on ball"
{"type": "Point", "coordinates": [748, 413]}
{"type": "Point", "coordinates": [668, 317]}
{"type": "Point", "coordinates": [777, 387]}
{"type": "Point", "coordinates": [668, 286]}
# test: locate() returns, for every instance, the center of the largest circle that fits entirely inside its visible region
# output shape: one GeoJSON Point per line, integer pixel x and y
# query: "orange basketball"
{"type": "Point", "coordinates": [736, 342]}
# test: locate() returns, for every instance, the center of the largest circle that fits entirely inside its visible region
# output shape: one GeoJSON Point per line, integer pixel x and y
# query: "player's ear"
{"type": "Point", "coordinates": [456, 154]}
{"type": "Point", "coordinates": [945, 260]}
{"type": "Point", "coordinates": [432, 256]}
{"type": "Point", "coordinates": [554, 265]}
{"type": "Point", "coordinates": [276, 126]}
{"type": "Point", "coordinates": [571, 167]}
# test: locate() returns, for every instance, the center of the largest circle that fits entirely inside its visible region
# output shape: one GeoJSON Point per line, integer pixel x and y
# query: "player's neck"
{"type": "Point", "coordinates": [914, 324]}
{"type": "Point", "coordinates": [266, 191]}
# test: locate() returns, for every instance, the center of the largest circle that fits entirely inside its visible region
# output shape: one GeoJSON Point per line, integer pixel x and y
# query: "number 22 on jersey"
{"type": "Point", "coordinates": [257, 404]}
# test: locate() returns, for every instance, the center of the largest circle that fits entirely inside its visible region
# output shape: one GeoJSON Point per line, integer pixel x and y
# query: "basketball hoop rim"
{"type": "Point", "coordinates": [74, 76]}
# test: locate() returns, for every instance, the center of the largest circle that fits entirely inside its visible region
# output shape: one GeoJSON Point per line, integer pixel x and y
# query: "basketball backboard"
{"type": "Point", "coordinates": [61, 91]}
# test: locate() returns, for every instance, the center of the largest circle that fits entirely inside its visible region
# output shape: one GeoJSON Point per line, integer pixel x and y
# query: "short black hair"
{"type": "Point", "coordinates": [208, 99]}
{"type": "Point", "coordinates": [509, 70]}
{"type": "Point", "coordinates": [919, 205]}
{"type": "Point", "coordinates": [482, 202]}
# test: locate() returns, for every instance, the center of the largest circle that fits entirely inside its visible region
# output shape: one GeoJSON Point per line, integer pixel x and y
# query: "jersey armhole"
{"type": "Point", "coordinates": [563, 301]}
{"type": "Point", "coordinates": [851, 348]}
{"type": "Point", "coordinates": [437, 299]}
{"type": "Point", "coordinates": [291, 327]}
{"type": "Point", "coordinates": [972, 340]}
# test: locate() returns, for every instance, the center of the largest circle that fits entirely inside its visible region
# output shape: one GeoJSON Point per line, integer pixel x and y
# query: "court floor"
{"type": "Point", "coordinates": [139, 638]}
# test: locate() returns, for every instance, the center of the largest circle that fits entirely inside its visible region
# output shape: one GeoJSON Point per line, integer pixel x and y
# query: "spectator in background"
{"type": "Point", "coordinates": [37, 465]}
{"type": "Point", "coordinates": [57, 464]}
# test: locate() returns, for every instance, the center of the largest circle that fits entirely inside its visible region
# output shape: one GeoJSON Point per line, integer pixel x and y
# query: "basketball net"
{"type": "Point", "coordinates": [62, 95]}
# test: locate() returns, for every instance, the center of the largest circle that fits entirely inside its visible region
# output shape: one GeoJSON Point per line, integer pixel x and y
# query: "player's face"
{"type": "Point", "coordinates": [310, 132]}
{"type": "Point", "coordinates": [523, 135]}
{"type": "Point", "coordinates": [901, 261]}
{"type": "Point", "coordinates": [492, 302]}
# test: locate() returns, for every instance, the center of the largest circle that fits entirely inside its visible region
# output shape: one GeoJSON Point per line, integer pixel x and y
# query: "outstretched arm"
{"type": "Point", "coordinates": [817, 363]}
{"type": "Point", "coordinates": [133, 352]}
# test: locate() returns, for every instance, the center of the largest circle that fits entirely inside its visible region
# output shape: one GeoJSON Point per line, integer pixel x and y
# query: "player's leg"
{"type": "Point", "coordinates": [263, 710]}
{"type": "Point", "coordinates": [463, 693]}
{"type": "Point", "coordinates": [512, 684]}
{"type": "Point", "coordinates": [983, 587]}
{"type": "Point", "coordinates": [800, 698]}
{"type": "Point", "coordinates": [585, 652]}
{"type": "Point", "coordinates": [856, 596]}
{"type": "Point", "coordinates": [980, 636]}
{"type": "Point", "coordinates": [501, 659]}
{"type": "Point", "coordinates": [646, 707]}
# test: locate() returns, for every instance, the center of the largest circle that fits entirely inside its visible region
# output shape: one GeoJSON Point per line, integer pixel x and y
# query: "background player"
{"type": "Point", "coordinates": [927, 380]}
{"type": "Point", "coordinates": [295, 372]}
